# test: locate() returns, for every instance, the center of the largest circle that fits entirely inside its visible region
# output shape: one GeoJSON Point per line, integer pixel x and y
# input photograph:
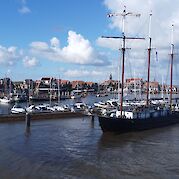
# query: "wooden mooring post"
{"type": "Point", "coordinates": [27, 120]}
{"type": "Point", "coordinates": [92, 118]}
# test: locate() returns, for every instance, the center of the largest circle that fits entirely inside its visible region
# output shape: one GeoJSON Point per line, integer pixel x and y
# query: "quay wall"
{"type": "Point", "coordinates": [39, 116]}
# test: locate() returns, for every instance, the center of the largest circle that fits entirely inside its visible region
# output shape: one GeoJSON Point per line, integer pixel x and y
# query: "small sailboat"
{"type": "Point", "coordinates": [5, 100]}
{"type": "Point", "coordinates": [16, 109]}
{"type": "Point", "coordinates": [76, 94]}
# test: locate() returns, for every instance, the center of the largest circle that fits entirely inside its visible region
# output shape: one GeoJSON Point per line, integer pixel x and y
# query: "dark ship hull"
{"type": "Point", "coordinates": [121, 125]}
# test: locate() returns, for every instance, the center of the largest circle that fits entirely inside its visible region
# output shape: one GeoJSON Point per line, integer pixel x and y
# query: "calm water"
{"type": "Point", "coordinates": [90, 100]}
{"type": "Point", "coordinates": [76, 148]}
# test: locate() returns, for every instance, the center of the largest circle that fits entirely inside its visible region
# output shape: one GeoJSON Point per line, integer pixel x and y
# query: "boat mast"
{"type": "Point", "coordinates": [123, 60]}
{"type": "Point", "coordinates": [135, 94]}
{"type": "Point", "coordinates": [123, 14]}
{"type": "Point", "coordinates": [29, 91]}
{"type": "Point", "coordinates": [162, 88]}
{"type": "Point", "coordinates": [10, 89]}
{"type": "Point", "coordinates": [50, 100]}
{"type": "Point", "coordinates": [171, 65]}
{"type": "Point", "coordinates": [58, 90]}
{"type": "Point", "coordinates": [5, 86]}
{"type": "Point", "coordinates": [118, 84]}
{"type": "Point", "coordinates": [149, 56]}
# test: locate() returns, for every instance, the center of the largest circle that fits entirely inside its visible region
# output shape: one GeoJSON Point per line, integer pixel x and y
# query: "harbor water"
{"type": "Point", "coordinates": [77, 148]}
{"type": "Point", "coordinates": [89, 100]}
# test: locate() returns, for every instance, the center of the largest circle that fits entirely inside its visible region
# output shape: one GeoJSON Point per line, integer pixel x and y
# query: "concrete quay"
{"type": "Point", "coordinates": [39, 116]}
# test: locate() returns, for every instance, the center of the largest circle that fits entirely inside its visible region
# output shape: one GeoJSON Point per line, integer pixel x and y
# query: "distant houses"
{"type": "Point", "coordinates": [154, 87]}
{"type": "Point", "coordinates": [167, 89]}
{"type": "Point", "coordinates": [6, 86]}
{"type": "Point", "coordinates": [49, 87]}
{"type": "Point", "coordinates": [110, 85]}
{"type": "Point", "coordinates": [135, 84]}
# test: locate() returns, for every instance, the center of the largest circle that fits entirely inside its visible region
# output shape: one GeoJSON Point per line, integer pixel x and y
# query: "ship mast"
{"type": "Point", "coordinates": [123, 37]}
{"type": "Point", "coordinates": [171, 65]}
{"type": "Point", "coordinates": [58, 90]}
{"type": "Point", "coordinates": [149, 56]}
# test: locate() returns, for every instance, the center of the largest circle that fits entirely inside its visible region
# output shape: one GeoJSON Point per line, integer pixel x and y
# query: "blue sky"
{"type": "Point", "coordinates": [62, 38]}
{"type": "Point", "coordinates": [43, 21]}
{"type": "Point", "coordinates": [52, 18]}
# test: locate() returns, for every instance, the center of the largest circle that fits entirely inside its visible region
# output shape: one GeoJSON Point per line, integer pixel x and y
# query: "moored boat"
{"type": "Point", "coordinates": [16, 109]}
{"type": "Point", "coordinates": [124, 124]}
{"type": "Point", "coordinates": [150, 115]}
{"type": "Point", "coordinates": [5, 100]}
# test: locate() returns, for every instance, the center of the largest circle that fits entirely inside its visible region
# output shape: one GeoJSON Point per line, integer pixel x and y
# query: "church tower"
{"type": "Point", "coordinates": [110, 76]}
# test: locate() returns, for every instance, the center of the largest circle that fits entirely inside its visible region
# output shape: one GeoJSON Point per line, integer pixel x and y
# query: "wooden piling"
{"type": "Point", "coordinates": [27, 120]}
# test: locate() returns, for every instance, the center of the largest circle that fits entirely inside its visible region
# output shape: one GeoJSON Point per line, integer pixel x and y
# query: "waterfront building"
{"type": "Point", "coordinates": [167, 89]}
{"type": "Point", "coordinates": [110, 85]}
{"type": "Point", "coordinates": [77, 84]}
{"type": "Point", "coordinates": [134, 84]}
{"type": "Point", "coordinates": [45, 87]}
{"type": "Point", "coordinates": [154, 87]}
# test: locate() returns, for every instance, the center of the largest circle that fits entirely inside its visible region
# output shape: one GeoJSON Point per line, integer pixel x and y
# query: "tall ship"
{"type": "Point", "coordinates": [138, 117]}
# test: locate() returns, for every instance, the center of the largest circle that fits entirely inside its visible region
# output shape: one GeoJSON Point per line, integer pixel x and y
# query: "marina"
{"type": "Point", "coordinates": [83, 97]}
{"type": "Point", "coordinates": [90, 103]}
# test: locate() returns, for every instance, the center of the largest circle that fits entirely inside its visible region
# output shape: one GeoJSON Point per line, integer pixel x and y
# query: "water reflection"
{"type": "Point", "coordinates": [77, 148]}
{"type": "Point", "coordinates": [146, 137]}
{"type": "Point", "coordinates": [27, 131]}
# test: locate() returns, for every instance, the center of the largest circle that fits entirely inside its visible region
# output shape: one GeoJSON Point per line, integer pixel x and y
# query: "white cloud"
{"type": "Point", "coordinates": [78, 51]}
{"type": "Point", "coordinates": [108, 43]}
{"type": "Point", "coordinates": [24, 10]}
{"type": "Point", "coordinates": [39, 46]}
{"type": "Point", "coordinates": [8, 56]}
{"type": "Point", "coordinates": [30, 61]}
{"type": "Point", "coordinates": [164, 14]}
{"type": "Point", "coordinates": [12, 55]}
{"type": "Point", "coordinates": [55, 43]}
{"type": "Point", "coordinates": [84, 73]}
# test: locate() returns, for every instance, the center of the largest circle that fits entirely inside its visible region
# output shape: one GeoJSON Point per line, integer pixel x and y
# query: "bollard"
{"type": "Point", "coordinates": [28, 120]}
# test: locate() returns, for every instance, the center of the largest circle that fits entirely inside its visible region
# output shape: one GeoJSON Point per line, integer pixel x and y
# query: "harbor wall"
{"type": "Point", "coordinates": [39, 116]}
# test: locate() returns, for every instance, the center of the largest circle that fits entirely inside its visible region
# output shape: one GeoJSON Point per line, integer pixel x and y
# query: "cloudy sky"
{"type": "Point", "coordinates": [62, 38]}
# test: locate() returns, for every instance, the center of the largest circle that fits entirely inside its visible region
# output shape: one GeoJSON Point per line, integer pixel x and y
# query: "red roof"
{"type": "Point", "coordinates": [129, 80]}
{"type": "Point", "coordinates": [64, 81]}
{"type": "Point", "coordinates": [89, 83]}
